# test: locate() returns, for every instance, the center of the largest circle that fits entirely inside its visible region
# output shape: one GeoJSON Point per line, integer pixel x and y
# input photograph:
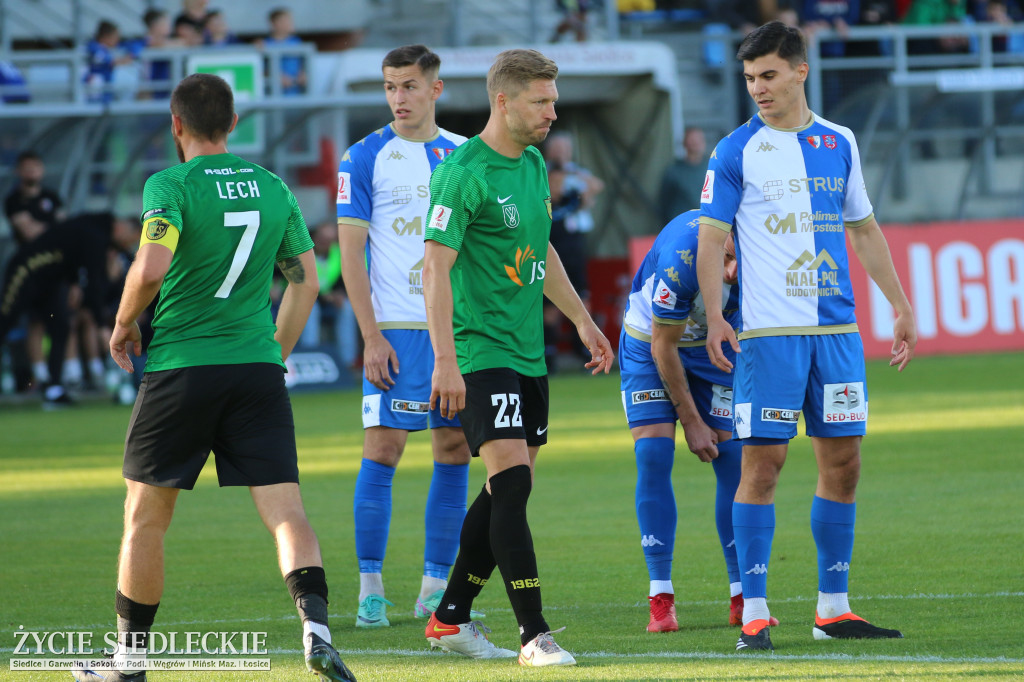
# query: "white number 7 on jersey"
{"type": "Point", "coordinates": [251, 221]}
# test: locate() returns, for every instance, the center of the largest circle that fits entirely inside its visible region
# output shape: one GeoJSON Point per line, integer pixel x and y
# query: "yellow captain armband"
{"type": "Point", "coordinates": [156, 230]}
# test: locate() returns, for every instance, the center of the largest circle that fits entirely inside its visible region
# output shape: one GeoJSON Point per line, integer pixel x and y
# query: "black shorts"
{"type": "Point", "coordinates": [504, 404]}
{"type": "Point", "coordinates": [240, 412]}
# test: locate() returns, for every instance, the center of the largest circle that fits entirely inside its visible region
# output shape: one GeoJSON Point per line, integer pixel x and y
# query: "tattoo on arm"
{"type": "Point", "coordinates": [292, 269]}
{"type": "Point", "coordinates": [664, 382]}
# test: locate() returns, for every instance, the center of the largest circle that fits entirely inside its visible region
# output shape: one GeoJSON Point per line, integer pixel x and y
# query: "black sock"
{"type": "Point", "coordinates": [512, 545]}
{"type": "Point", "coordinates": [308, 587]}
{"type": "Point", "coordinates": [134, 621]}
{"type": "Point", "coordinates": [473, 566]}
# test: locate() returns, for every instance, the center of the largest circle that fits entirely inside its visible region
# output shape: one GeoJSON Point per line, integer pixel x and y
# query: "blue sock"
{"type": "Point", "coordinates": [727, 472]}
{"type": "Point", "coordinates": [446, 507]}
{"type": "Point", "coordinates": [656, 504]}
{"type": "Point", "coordinates": [832, 528]}
{"type": "Point", "coordinates": [754, 525]}
{"type": "Point", "coordinates": [371, 504]}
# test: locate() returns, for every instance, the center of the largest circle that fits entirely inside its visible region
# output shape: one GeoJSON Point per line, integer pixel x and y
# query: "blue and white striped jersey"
{"type": "Point", "coordinates": [665, 288]}
{"type": "Point", "coordinates": [789, 195]}
{"type": "Point", "coordinates": [384, 186]}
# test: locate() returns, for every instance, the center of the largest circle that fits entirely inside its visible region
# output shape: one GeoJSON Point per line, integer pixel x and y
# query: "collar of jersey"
{"type": "Point", "coordinates": [805, 126]}
{"type": "Point", "coordinates": [437, 134]}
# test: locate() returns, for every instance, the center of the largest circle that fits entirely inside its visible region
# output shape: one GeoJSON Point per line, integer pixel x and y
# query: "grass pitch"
{"type": "Point", "coordinates": [938, 551]}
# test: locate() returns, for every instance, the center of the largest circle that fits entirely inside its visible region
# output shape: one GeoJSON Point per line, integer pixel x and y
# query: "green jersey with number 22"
{"type": "Point", "coordinates": [235, 220]}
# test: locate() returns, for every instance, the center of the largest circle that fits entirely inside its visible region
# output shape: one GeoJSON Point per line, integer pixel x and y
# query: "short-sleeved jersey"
{"type": "Point", "coordinates": [235, 221]}
{"type": "Point", "coordinates": [384, 185]}
{"type": "Point", "coordinates": [789, 195]}
{"type": "Point", "coordinates": [496, 212]}
{"type": "Point", "coordinates": [665, 287]}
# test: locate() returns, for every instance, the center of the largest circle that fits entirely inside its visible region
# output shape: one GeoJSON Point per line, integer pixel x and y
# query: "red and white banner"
{"type": "Point", "coordinates": [965, 281]}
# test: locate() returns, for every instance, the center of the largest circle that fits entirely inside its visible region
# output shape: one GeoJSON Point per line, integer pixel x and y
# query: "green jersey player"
{"type": "Point", "coordinates": [486, 269]}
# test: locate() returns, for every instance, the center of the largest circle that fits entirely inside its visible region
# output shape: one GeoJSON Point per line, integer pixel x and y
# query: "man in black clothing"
{"type": "Point", "coordinates": [30, 207]}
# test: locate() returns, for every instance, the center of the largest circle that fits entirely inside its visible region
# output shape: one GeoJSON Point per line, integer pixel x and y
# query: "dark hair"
{"type": "Point", "coordinates": [152, 16]}
{"type": "Point", "coordinates": [205, 105]}
{"type": "Point", "coordinates": [27, 155]}
{"type": "Point", "coordinates": [774, 38]}
{"type": "Point", "coordinates": [277, 12]}
{"type": "Point", "coordinates": [104, 29]}
{"type": "Point", "coordinates": [408, 55]}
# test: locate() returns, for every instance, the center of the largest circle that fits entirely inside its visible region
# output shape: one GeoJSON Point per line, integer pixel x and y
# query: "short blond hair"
{"type": "Point", "coordinates": [514, 70]}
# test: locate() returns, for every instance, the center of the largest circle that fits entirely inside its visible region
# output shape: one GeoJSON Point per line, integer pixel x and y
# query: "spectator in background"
{"type": "Point", "coordinates": [293, 67]}
{"type": "Point", "coordinates": [932, 13]}
{"type": "Point", "coordinates": [156, 72]}
{"type": "Point", "coordinates": [187, 33]}
{"type": "Point", "coordinates": [573, 192]}
{"type": "Point", "coordinates": [30, 207]}
{"type": "Point", "coordinates": [739, 15]}
{"type": "Point", "coordinates": [1003, 13]}
{"type": "Point", "coordinates": [104, 54]}
{"type": "Point", "coordinates": [217, 33]}
{"type": "Point", "coordinates": [684, 177]}
{"type": "Point", "coordinates": [12, 82]}
{"type": "Point", "coordinates": [574, 18]}
{"type": "Point", "coordinates": [192, 12]}
{"type": "Point", "coordinates": [332, 307]}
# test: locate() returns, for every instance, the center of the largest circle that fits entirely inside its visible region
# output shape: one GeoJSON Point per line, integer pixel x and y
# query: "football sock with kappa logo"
{"type": "Point", "coordinates": [473, 565]}
{"type": "Point", "coordinates": [727, 474]}
{"type": "Point", "coordinates": [512, 546]}
{"type": "Point", "coordinates": [656, 504]}
{"type": "Point", "coordinates": [832, 526]}
{"type": "Point", "coordinates": [754, 525]}
{"type": "Point", "coordinates": [371, 506]}
{"type": "Point", "coordinates": [446, 508]}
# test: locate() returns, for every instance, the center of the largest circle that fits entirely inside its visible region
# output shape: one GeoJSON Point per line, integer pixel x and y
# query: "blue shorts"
{"type": "Point", "coordinates": [406, 405]}
{"type": "Point", "coordinates": [643, 395]}
{"type": "Point", "coordinates": [777, 377]}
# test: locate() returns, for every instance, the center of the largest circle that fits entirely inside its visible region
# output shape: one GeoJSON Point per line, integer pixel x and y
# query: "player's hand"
{"type": "Point", "coordinates": [702, 440]}
{"type": "Point", "coordinates": [601, 354]}
{"type": "Point", "coordinates": [720, 331]}
{"type": "Point", "coordinates": [447, 388]}
{"type": "Point", "coordinates": [376, 356]}
{"type": "Point", "coordinates": [120, 337]}
{"type": "Point", "coordinates": [904, 332]}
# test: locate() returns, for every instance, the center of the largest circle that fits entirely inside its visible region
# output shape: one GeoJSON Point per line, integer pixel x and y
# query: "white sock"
{"type": "Point", "coordinates": [755, 609]}
{"type": "Point", "coordinates": [735, 588]}
{"type": "Point", "coordinates": [833, 604]}
{"type": "Point", "coordinates": [40, 372]}
{"type": "Point", "coordinates": [430, 585]}
{"type": "Point", "coordinates": [72, 371]}
{"type": "Point", "coordinates": [96, 369]}
{"type": "Point", "coordinates": [370, 583]}
{"type": "Point", "coordinates": [122, 655]}
{"type": "Point", "coordinates": [318, 629]}
{"type": "Point", "coordinates": [661, 587]}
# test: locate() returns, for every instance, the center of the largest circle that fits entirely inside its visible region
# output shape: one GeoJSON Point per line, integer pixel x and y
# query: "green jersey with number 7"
{"type": "Point", "coordinates": [232, 221]}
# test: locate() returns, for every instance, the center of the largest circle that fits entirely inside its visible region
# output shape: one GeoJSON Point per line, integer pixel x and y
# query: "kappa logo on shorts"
{"type": "Point", "coordinates": [775, 414]}
{"type": "Point", "coordinates": [410, 406]}
{"type": "Point", "coordinates": [653, 395]}
{"type": "Point", "coordinates": [844, 403]}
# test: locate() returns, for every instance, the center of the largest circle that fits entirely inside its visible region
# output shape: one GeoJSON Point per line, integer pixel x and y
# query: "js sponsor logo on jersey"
{"type": "Point", "coordinates": [416, 278]}
{"type": "Point", "coordinates": [721, 401]}
{"type": "Point", "coordinates": [774, 414]}
{"type": "Point", "coordinates": [409, 406]}
{"type": "Point", "coordinates": [655, 395]}
{"type": "Point", "coordinates": [404, 228]}
{"type": "Point", "coordinates": [344, 187]}
{"type": "Point", "coordinates": [510, 214]}
{"type": "Point", "coordinates": [439, 217]}
{"type": "Point", "coordinates": [537, 268]}
{"type": "Point", "coordinates": [805, 221]}
{"type": "Point", "coordinates": [844, 403]}
{"type": "Point", "coordinates": [766, 147]}
{"type": "Point", "coordinates": [707, 194]}
{"type": "Point", "coordinates": [149, 214]}
{"type": "Point", "coordinates": [402, 194]}
{"type": "Point", "coordinates": [156, 228]}
{"type": "Point", "coordinates": [806, 278]}
{"type": "Point", "coordinates": [664, 296]}
{"type": "Point", "coordinates": [441, 153]}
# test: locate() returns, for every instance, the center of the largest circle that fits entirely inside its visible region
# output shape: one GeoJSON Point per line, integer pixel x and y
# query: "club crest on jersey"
{"type": "Point", "coordinates": [511, 215]}
{"type": "Point", "coordinates": [830, 141]}
{"type": "Point", "coordinates": [156, 228]}
{"type": "Point", "coordinates": [814, 141]}
{"type": "Point", "coordinates": [344, 187]}
{"type": "Point", "coordinates": [440, 153]}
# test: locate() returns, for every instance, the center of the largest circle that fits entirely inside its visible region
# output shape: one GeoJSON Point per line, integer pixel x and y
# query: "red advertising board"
{"type": "Point", "coordinates": [965, 281]}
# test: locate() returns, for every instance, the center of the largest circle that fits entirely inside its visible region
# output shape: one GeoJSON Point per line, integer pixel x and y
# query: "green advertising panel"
{"type": "Point", "coordinates": [244, 73]}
